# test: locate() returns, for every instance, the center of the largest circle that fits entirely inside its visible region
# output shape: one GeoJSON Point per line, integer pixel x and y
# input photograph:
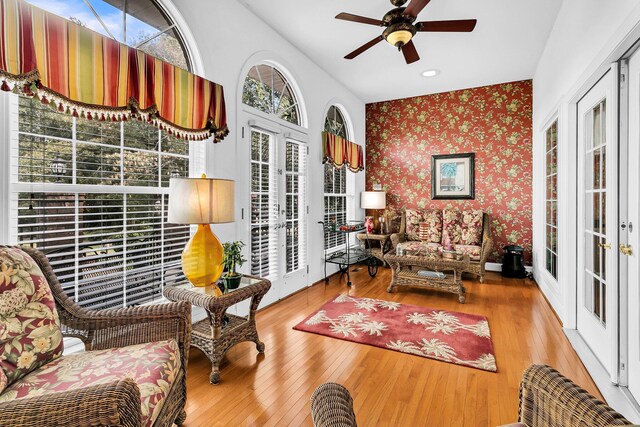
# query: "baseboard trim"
{"type": "Point", "coordinates": [496, 266]}
{"type": "Point", "coordinates": [617, 397]}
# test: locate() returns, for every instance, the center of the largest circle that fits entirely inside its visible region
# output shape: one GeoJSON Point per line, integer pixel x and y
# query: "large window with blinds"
{"type": "Point", "coordinates": [93, 197]}
{"type": "Point", "coordinates": [335, 183]}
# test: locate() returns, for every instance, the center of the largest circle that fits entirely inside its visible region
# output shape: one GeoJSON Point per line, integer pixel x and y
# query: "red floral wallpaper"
{"type": "Point", "coordinates": [494, 122]}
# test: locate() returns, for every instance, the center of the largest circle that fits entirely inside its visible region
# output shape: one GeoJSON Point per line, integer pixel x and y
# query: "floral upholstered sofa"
{"type": "Point", "coordinates": [134, 374]}
{"type": "Point", "coordinates": [429, 232]}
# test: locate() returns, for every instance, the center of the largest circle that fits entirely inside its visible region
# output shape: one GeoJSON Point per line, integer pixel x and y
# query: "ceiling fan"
{"type": "Point", "coordinates": [401, 27]}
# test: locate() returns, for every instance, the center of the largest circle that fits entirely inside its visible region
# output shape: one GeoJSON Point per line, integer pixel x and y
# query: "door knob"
{"type": "Point", "coordinates": [626, 249]}
{"type": "Point", "coordinates": [605, 245]}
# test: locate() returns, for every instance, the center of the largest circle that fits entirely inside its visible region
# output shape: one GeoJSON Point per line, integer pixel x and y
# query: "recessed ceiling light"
{"type": "Point", "coordinates": [430, 73]}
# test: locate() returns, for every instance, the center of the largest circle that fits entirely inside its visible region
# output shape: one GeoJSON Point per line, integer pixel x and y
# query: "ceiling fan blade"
{"type": "Point", "coordinates": [410, 53]}
{"type": "Point", "coordinates": [415, 7]}
{"type": "Point", "coordinates": [462, 25]}
{"type": "Point", "coordinates": [358, 18]}
{"type": "Point", "coordinates": [364, 47]}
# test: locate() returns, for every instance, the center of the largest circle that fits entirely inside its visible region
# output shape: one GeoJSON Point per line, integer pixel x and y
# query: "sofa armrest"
{"type": "Point", "coordinates": [113, 404]}
{"type": "Point", "coordinates": [397, 238]}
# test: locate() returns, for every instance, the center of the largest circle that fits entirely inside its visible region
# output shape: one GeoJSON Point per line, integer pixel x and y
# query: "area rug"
{"type": "Point", "coordinates": [460, 338]}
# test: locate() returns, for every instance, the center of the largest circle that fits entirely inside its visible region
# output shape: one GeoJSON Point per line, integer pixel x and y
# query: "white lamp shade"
{"type": "Point", "coordinates": [373, 200]}
{"type": "Point", "coordinates": [201, 201]}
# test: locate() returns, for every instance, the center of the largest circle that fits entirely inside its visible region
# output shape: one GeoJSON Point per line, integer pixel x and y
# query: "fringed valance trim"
{"type": "Point", "coordinates": [342, 153]}
{"type": "Point", "coordinates": [103, 79]}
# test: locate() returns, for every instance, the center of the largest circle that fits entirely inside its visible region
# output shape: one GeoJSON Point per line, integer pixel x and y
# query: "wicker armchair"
{"type": "Point", "coordinates": [548, 399]}
{"type": "Point", "coordinates": [332, 406]}
{"type": "Point", "coordinates": [475, 267]}
{"type": "Point", "coordinates": [117, 402]}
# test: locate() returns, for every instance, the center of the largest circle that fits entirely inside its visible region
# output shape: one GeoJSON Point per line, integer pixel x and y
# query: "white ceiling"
{"type": "Point", "coordinates": [505, 45]}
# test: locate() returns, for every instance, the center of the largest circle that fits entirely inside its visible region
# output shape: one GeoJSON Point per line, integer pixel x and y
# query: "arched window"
{"type": "Point", "coordinates": [335, 181]}
{"type": "Point", "coordinates": [142, 24]}
{"type": "Point", "coordinates": [266, 89]}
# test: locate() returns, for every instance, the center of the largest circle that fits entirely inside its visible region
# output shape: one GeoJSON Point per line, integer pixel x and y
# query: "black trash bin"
{"type": "Point", "coordinates": [512, 263]}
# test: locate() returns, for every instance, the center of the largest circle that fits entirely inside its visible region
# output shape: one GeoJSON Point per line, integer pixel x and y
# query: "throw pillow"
{"type": "Point", "coordinates": [451, 227]}
{"type": "Point", "coordinates": [471, 227]}
{"type": "Point", "coordinates": [413, 218]}
{"type": "Point", "coordinates": [29, 326]}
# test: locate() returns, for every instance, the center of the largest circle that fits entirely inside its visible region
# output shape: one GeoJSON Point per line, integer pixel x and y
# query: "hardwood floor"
{"type": "Point", "coordinates": [388, 388]}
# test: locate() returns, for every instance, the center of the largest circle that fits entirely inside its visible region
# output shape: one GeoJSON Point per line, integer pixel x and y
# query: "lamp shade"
{"type": "Point", "coordinates": [201, 201]}
{"type": "Point", "coordinates": [373, 200]}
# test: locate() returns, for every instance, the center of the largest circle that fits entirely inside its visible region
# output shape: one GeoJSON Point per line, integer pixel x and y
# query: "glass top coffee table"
{"type": "Point", "coordinates": [213, 336]}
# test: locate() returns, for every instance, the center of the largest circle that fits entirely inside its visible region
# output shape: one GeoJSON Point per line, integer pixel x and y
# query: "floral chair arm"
{"type": "Point", "coordinates": [113, 404]}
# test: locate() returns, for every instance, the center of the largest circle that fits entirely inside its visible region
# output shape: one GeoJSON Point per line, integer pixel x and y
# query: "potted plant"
{"type": "Point", "coordinates": [232, 259]}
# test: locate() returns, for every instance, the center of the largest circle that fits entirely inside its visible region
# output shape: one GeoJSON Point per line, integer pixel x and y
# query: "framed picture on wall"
{"type": "Point", "coordinates": [452, 176]}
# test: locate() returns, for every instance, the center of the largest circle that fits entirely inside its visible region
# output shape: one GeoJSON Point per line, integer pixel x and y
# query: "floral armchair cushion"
{"type": "Point", "coordinates": [471, 227]}
{"type": "Point", "coordinates": [29, 326]}
{"type": "Point", "coordinates": [153, 366]}
{"type": "Point", "coordinates": [432, 230]}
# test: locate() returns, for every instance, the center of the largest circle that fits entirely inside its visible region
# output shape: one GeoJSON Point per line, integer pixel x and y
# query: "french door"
{"type": "Point", "coordinates": [277, 211]}
{"type": "Point", "coordinates": [597, 313]}
{"type": "Point", "coordinates": [629, 232]}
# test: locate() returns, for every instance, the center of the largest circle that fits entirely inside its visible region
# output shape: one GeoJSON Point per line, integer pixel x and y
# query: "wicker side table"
{"type": "Point", "coordinates": [405, 273]}
{"type": "Point", "coordinates": [210, 335]}
{"type": "Point", "coordinates": [383, 246]}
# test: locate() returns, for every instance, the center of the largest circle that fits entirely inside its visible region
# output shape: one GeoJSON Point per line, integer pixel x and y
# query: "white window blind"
{"type": "Point", "coordinates": [93, 197]}
{"type": "Point", "coordinates": [296, 200]}
{"type": "Point", "coordinates": [264, 205]}
{"type": "Point", "coordinates": [335, 203]}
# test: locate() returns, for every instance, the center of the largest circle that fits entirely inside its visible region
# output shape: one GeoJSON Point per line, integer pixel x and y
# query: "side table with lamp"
{"type": "Point", "coordinates": [205, 201]}
{"type": "Point", "coordinates": [377, 238]}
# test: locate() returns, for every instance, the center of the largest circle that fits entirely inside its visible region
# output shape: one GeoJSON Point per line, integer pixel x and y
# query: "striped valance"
{"type": "Point", "coordinates": [81, 72]}
{"type": "Point", "coordinates": [341, 152]}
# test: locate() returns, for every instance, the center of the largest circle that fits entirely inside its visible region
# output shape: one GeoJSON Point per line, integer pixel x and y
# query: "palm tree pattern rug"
{"type": "Point", "coordinates": [460, 338]}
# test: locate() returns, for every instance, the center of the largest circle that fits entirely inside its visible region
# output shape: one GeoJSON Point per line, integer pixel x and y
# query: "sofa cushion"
{"type": "Point", "coordinates": [451, 227]}
{"type": "Point", "coordinates": [29, 327]}
{"type": "Point", "coordinates": [432, 217]}
{"type": "Point", "coordinates": [3, 381]}
{"type": "Point", "coordinates": [153, 366]}
{"type": "Point", "coordinates": [413, 219]}
{"type": "Point", "coordinates": [420, 248]}
{"type": "Point", "coordinates": [473, 251]}
{"type": "Point", "coordinates": [431, 227]}
{"type": "Point", "coordinates": [471, 227]}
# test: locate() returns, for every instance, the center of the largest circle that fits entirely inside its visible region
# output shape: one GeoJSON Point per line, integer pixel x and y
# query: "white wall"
{"type": "Point", "coordinates": [587, 36]}
{"type": "Point", "coordinates": [227, 36]}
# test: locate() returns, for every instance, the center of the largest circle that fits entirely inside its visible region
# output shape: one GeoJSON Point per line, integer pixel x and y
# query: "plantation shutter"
{"type": "Point", "coordinates": [296, 205]}
{"type": "Point", "coordinates": [264, 204]}
{"type": "Point", "coordinates": [101, 215]}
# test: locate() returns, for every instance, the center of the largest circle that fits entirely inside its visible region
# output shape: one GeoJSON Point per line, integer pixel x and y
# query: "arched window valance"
{"type": "Point", "coordinates": [341, 152]}
{"type": "Point", "coordinates": [83, 73]}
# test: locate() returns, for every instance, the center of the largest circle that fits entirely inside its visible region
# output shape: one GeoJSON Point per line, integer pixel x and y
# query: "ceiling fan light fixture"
{"type": "Point", "coordinates": [399, 38]}
{"type": "Point", "coordinates": [399, 35]}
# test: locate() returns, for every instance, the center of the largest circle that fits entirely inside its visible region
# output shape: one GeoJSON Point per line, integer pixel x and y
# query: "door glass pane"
{"type": "Point", "coordinates": [596, 255]}
{"type": "Point", "coordinates": [603, 211]}
{"type": "Point", "coordinates": [596, 212]}
{"type": "Point", "coordinates": [597, 115]}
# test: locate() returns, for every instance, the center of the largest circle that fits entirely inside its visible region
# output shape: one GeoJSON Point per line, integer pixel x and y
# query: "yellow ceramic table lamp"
{"type": "Point", "coordinates": [201, 201]}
